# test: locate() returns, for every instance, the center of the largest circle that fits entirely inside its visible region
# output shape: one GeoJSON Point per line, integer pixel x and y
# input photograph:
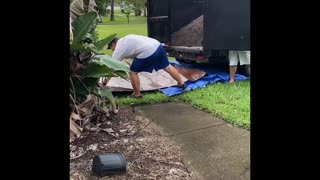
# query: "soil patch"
{"type": "Point", "coordinates": [190, 35]}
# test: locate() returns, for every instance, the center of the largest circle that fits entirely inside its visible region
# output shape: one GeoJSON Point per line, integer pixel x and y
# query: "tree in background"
{"type": "Point", "coordinates": [127, 10]}
{"type": "Point", "coordinates": [120, 3]}
{"type": "Point", "coordinates": [145, 9]}
{"type": "Point", "coordinates": [112, 11]}
{"type": "Point", "coordinates": [137, 5]}
{"type": "Point", "coordinates": [102, 6]}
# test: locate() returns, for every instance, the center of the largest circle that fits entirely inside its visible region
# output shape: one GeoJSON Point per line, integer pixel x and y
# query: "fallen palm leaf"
{"type": "Point", "coordinates": [88, 119]}
{"type": "Point", "coordinates": [75, 116]}
{"type": "Point", "coordinates": [89, 101]}
{"type": "Point", "coordinates": [111, 132]}
{"type": "Point", "coordinates": [75, 129]}
{"type": "Point", "coordinates": [84, 111]}
{"type": "Point", "coordinates": [72, 137]}
{"type": "Point", "coordinates": [92, 129]}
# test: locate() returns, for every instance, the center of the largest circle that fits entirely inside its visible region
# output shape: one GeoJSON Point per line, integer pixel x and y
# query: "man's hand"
{"type": "Point", "coordinates": [104, 82]}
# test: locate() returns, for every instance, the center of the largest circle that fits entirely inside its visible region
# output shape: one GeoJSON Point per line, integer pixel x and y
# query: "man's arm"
{"type": "Point", "coordinates": [119, 53]}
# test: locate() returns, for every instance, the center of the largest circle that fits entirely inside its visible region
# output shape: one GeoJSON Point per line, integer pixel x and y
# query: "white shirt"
{"type": "Point", "coordinates": [135, 46]}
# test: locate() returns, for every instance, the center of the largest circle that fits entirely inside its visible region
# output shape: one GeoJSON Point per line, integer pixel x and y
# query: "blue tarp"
{"type": "Point", "coordinates": [213, 75]}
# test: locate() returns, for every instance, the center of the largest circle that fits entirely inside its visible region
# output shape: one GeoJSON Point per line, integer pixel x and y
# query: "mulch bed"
{"type": "Point", "coordinates": [148, 154]}
{"type": "Point", "coordinates": [190, 35]}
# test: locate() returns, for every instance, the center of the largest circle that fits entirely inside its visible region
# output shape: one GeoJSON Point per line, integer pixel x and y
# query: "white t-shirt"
{"type": "Point", "coordinates": [135, 46]}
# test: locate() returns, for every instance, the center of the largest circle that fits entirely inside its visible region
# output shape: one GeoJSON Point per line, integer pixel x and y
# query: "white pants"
{"type": "Point", "coordinates": [236, 56]}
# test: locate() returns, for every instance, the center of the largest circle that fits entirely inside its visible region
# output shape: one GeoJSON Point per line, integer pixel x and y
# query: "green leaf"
{"type": "Point", "coordinates": [97, 70]}
{"type": "Point", "coordinates": [100, 53]}
{"type": "Point", "coordinates": [85, 85]}
{"type": "Point", "coordinates": [122, 74]}
{"type": "Point", "coordinates": [103, 93]}
{"type": "Point", "coordinates": [91, 47]}
{"type": "Point", "coordinates": [107, 94]}
{"type": "Point", "coordinates": [104, 42]}
{"type": "Point", "coordinates": [94, 35]}
{"type": "Point", "coordinates": [83, 25]}
{"type": "Point", "coordinates": [111, 63]}
{"type": "Point", "coordinates": [87, 36]}
{"type": "Point", "coordinates": [76, 47]}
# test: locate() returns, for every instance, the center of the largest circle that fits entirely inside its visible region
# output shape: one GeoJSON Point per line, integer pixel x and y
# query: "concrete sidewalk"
{"type": "Point", "coordinates": [212, 149]}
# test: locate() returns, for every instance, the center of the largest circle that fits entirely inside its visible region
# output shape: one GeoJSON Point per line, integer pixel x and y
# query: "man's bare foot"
{"type": "Point", "coordinates": [231, 81]}
{"type": "Point", "coordinates": [183, 86]}
{"type": "Point", "coordinates": [136, 96]}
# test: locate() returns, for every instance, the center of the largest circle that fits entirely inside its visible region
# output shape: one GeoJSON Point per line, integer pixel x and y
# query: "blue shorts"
{"type": "Point", "coordinates": [158, 60]}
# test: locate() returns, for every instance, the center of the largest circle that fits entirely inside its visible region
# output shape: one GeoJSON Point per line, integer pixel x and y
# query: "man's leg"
{"type": "Point", "coordinates": [233, 64]}
{"type": "Point", "coordinates": [232, 72]}
{"type": "Point", "coordinates": [244, 58]}
{"type": "Point", "coordinates": [135, 81]}
{"type": "Point", "coordinates": [174, 74]}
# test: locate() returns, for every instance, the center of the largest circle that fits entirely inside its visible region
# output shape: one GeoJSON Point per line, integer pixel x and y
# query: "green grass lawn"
{"type": "Point", "coordinates": [121, 30]}
{"type": "Point", "coordinates": [230, 102]}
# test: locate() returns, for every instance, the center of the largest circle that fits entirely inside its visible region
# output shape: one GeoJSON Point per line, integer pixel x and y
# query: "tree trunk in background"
{"type": "Point", "coordinates": [112, 11]}
{"type": "Point", "coordinates": [145, 9]}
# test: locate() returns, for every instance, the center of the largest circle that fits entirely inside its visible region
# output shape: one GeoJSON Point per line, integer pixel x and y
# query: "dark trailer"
{"type": "Point", "coordinates": [200, 30]}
